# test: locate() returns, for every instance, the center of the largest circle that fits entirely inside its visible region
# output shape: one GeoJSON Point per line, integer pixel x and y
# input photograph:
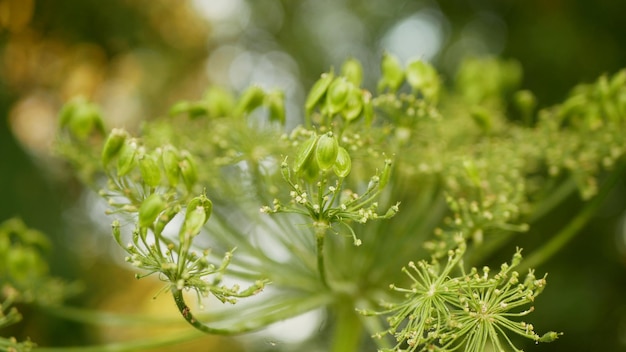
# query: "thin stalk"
{"type": "Point", "coordinates": [348, 329]}
{"type": "Point", "coordinates": [319, 237]}
{"type": "Point", "coordinates": [557, 242]}
{"type": "Point", "coordinates": [136, 345]}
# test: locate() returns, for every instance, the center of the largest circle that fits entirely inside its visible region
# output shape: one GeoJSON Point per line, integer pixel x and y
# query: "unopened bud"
{"type": "Point", "coordinates": [423, 77]}
{"type": "Point", "coordinates": [385, 175]}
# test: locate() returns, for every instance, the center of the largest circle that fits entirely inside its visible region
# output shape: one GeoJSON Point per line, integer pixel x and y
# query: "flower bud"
{"type": "Point", "coordinates": [170, 160]}
{"type": "Point", "coordinates": [352, 71]}
{"type": "Point", "coordinates": [188, 170]}
{"type": "Point", "coordinates": [343, 163]}
{"type": "Point", "coordinates": [150, 209]}
{"type": "Point", "coordinates": [337, 95]}
{"type": "Point", "coordinates": [150, 171]}
{"type": "Point", "coordinates": [250, 99]}
{"type": "Point", "coordinates": [549, 336]}
{"type": "Point", "coordinates": [392, 73]}
{"type": "Point", "coordinates": [275, 103]}
{"type": "Point", "coordinates": [113, 145]}
{"type": "Point", "coordinates": [317, 91]}
{"type": "Point", "coordinates": [423, 77]}
{"type": "Point", "coordinates": [326, 151]}
{"type": "Point", "coordinates": [305, 152]}
{"type": "Point", "coordinates": [127, 158]}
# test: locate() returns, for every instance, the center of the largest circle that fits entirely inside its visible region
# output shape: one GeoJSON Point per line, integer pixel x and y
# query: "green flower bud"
{"type": "Point", "coordinates": [354, 105]}
{"type": "Point", "coordinates": [353, 71]}
{"type": "Point", "coordinates": [85, 118]}
{"type": "Point", "coordinates": [188, 170]}
{"type": "Point", "coordinates": [317, 91]}
{"type": "Point", "coordinates": [423, 77]}
{"type": "Point", "coordinates": [127, 158]}
{"type": "Point", "coordinates": [305, 153]}
{"type": "Point", "coordinates": [250, 99]}
{"type": "Point", "coordinates": [343, 163]}
{"type": "Point", "coordinates": [526, 103]}
{"type": "Point", "coordinates": [150, 171]}
{"type": "Point", "coordinates": [326, 151]}
{"type": "Point", "coordinates": [170, 159]}
{"type": "Point", "coordinates": [392, 73]}
{"type": "Point", "coordinates": [337, 95]}
{"type": "Point", "coordinates": [113, 145]}
{"type": "Point", "coordinates": [150, 209]}
{"type": "Point", "coordinates": [220, 102]}
{"type": "Point", "coordinates": [275, 102]}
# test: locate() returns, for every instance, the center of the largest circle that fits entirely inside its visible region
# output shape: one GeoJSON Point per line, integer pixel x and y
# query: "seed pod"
{"type": "Point", "coordinates": [423, 77]}
{"type": "Point", "coordinates": [188, 170]}
{"type": "Point", "coordinates": [198, 212]}
{"type": "Point", "coordinates": [368, 108]}
{"type": "Point", "coordinates": [343, 163]}
{"type": "Point", "coordinates": [317, 91]}
{"type": "Point", "coordinates": [353, 106]}
{"type": "Point", "coordinates": [127, 158]}
{"type": "Point", "coordinates": [275, 103]}
{"type": "Point", "coordinates": [337, 95]}
{"type": "Point", "coordinates": [178, 108]}
{"type": "Point", "coordinates": [549, 336]}
{"type": "Point", "coordinates": [150, 171]}
{"type": "Point", "coordinates": [220, 102]}
{"type": "Point", "coordinates": [150, 209]}
{"type": "Point", "coordinates": [117, 234]}
{"type": "Point", "coordinates": [250, 99]}
{"type": "Point", "coordinates": [385, 175]}
{"type": "Point", "coordinates": [483, 118]}
{"type": "Point", "coordinates": [353, 71]}
{"type": "Point", "coordinates": [326, 151]}
{"type": "Point", "coordinates": [305, 152]}
{"type": "Point", "coordinates": [170, 160]}
{"type": "Point", "coordinates": [84, 120]}
{"type": "Point", "coordinates": [392, 73]}
{"type": "Point", "coordinates": [113, 145]}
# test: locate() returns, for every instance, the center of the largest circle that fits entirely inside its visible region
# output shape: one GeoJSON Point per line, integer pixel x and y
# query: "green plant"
{"type": "Point", "coordinates": [383, 207]}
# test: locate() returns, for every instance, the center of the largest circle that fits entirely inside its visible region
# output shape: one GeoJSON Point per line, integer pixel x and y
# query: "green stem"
{"type": "Point", "coordinates": [319, 236]}
{"type": "Point", "coordinates": [136, 345]}
{"type": "Point", "coordinates": [557, 242]}
{"type": "Point", "coordinates": [348, 329]}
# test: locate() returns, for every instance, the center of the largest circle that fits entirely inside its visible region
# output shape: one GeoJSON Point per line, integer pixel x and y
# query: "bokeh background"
{"type": "Point", "coordinates": [136, 57]}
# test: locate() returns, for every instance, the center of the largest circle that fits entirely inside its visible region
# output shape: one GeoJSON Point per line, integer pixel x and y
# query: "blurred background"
{"type": "Point", "coordinates": [136, 57]}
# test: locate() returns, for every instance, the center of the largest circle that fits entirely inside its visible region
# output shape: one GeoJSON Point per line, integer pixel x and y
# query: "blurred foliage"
{"type": "Point", "coordinates": [136, 57]}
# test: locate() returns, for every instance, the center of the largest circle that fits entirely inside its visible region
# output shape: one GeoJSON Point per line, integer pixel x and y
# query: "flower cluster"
{"type": "Point", "coordinates": [473, 311]}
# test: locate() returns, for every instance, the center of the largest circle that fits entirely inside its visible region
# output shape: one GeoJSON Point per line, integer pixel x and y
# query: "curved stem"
{"type": "Point", "coordinates": [136, 345]}
{"type": "Point", "coordinates": [557, 242]}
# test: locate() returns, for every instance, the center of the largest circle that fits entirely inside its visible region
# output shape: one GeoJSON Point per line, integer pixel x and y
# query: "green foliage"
{"type": "Point", "coordinates": [469, 179]}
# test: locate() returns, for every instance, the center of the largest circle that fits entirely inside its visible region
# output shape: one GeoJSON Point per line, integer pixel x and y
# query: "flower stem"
{"type": "Point", "coordinates": [348, 329]}
{"type": "Point", "coordinates": [544, 253]}
{"type": "Point", "coordinates": [319, 237]}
